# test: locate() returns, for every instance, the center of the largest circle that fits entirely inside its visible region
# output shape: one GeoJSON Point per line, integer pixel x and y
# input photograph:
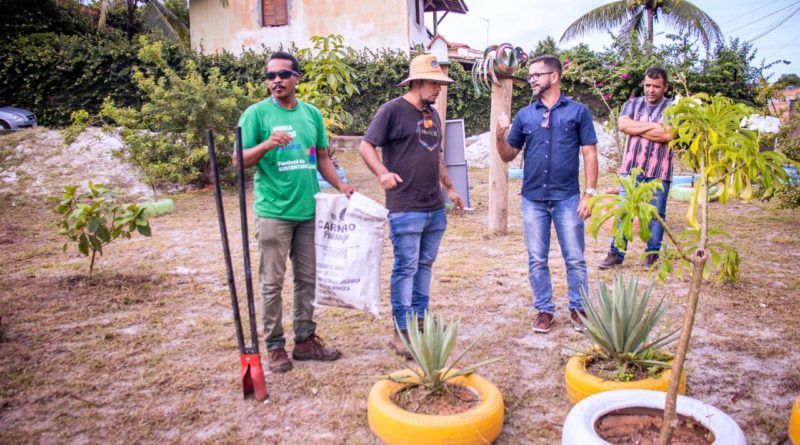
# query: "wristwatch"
{"type": "Point", "coordinates": [591, 192]}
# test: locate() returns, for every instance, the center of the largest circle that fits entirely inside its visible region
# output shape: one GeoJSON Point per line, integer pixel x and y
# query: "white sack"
{"type": "Point", "coordinates": [349, 246]}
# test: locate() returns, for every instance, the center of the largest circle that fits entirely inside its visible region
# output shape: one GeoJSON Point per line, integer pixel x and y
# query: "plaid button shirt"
{"type": "Point", "coordinates": [654, 158]}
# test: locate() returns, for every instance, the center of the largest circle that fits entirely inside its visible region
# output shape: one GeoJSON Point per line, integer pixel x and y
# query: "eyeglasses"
{"type": "Point", "coordinates": [534, 76]}
{"type": "Point", "coordinates": [546, 119]}
{"type": "Point", "coordinates": [426, 118]}
{"type": "Point", "coordinates": [283, 74]}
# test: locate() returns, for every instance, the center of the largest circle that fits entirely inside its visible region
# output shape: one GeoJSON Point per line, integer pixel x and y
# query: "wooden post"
{"type": "Point", "coordinates": [498, 170]}
{"type": "Point", "coordinates": [441, 104]}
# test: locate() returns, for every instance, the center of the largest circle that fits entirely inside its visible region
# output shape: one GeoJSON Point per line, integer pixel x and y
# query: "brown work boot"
{"type": "Point", "coordinates": [397, 345]}
{"type": "Point", "coordinates": [313, 348]}
{"type": "Point", "coordinates": [650, 260]}
{"type": "Point", "coordinates": [611, 260]}
{"type": "Point", "coordinates": [543, 323]}
{"type": "Point", "coordinates": [278, 360]}
{"type": "Point", "coordinates": [577, 323]}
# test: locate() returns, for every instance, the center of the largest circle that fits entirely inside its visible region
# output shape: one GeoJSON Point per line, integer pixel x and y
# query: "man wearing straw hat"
{"type": "Point", "coordinates": [409, 132]}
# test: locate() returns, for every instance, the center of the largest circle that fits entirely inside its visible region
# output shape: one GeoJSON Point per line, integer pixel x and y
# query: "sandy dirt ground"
{"type": "Point", "coordinates": [145, 351]}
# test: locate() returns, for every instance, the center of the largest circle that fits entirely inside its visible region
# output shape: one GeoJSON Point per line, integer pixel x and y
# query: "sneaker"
{"type": "Point", "coordinates": [313, 348]}
{"type": "Point", "coordinates": [399, 347]}
{"type": "Point", "coordinates": [611, 260]}
{"type": "Point", "coordinates": [543, 322]}
{"type": "Point", "coordinates": [650, 260]}
{"type": "Point", "coordinates": [577, 323]}
{"type": "Point", "coordinates": [278, 360]}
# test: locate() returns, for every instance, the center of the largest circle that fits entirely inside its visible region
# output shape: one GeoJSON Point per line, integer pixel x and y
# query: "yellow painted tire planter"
{"type": "Point", "coordinates": [794, 423]}
{"type": "Point", "coordinates": [395, 426]}
{"type": "Point", "coordinates": [582, 384]}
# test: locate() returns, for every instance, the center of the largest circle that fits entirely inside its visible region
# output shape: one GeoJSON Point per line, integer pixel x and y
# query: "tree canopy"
{"type": "Point", "coordinates": [636, 17]}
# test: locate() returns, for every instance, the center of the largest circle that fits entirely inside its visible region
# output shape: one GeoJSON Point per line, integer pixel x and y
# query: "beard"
{"type": "Point", "coordinates": [427, 102]}
{"type": "Point", "coordinates": [541, 88]}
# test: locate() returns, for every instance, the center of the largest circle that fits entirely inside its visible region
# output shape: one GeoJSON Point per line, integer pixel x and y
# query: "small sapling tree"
{"type": "Point", "coordinates": [721, 140]}
{"type": "Point", "coordinates": [93, 219]}
{"type": "Point", "coordinates": [328, 79]}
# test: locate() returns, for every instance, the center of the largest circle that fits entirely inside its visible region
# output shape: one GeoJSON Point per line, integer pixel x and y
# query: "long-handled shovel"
{"type": "Point", "coordinates": [252, 372]}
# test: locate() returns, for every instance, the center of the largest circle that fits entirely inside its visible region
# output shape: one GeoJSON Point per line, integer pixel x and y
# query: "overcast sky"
{"type": "Point", "coordinates": [526, 22]}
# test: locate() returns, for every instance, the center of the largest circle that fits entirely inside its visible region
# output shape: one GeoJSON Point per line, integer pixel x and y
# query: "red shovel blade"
{"type": "Point", "coordinates": [253, 377]}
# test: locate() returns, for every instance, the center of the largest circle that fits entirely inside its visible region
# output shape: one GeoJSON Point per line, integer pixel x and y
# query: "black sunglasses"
{"type": "Point", "coordinates": [283, 74]}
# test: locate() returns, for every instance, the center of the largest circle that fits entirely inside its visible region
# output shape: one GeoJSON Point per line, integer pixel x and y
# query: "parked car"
{"type": "Point", "coordinates": [14, 118]}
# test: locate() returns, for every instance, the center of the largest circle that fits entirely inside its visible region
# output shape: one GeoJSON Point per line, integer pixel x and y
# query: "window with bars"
{"type": "Point", "coordinates": [274, 12]}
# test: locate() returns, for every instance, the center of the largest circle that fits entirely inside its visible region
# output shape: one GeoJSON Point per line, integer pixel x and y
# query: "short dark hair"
{"type": "Point", "coordinates": [656, 73]}
{"type": "Point", "coordinates": [551, 62]}
{"type": "Point", "coordinates": [286, 56]}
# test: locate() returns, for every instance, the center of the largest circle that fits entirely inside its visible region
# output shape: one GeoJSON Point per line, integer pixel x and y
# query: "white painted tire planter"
{"type": "Point", "coordinates": [579, 424]}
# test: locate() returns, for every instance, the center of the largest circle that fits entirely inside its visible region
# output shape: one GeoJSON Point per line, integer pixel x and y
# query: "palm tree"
{"type": "Point", "coordinates": [635, 17]}
{"type": "Point", "coordinates": [546, 46]}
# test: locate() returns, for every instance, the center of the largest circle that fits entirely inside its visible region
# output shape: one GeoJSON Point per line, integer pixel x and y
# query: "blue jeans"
{"type": "Point", "coordinates": [657, 232]}
{"type": "Point", "coordinates": [537, 217]}
{"type": "Point", "coordinates": [416, 237]}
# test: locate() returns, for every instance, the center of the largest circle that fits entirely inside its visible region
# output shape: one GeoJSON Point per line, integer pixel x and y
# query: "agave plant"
{"type": "Point", "coordinates": [430, 344]}
{"type": "Point", "coordinates": [621, 325]}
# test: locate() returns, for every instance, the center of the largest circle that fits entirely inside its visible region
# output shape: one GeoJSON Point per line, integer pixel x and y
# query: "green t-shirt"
{"type": "Point", "coordinates": [286, 177]}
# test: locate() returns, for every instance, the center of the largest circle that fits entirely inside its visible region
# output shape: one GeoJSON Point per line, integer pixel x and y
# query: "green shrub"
{"type": "Point", "coordinates": [379, 72]}
{"type": "Point", "coordinates": [93, 219]}
{"type": "Point", "coordinates": [165, 138]}
{"type": "Point", "coordinates": [789, 197]}
{"type": "Point", "coordinates": [54, 75]}
{"type": "Point", "coordinates": [328, 79]}
{"type": "Point", "coordinates": [40, 16]}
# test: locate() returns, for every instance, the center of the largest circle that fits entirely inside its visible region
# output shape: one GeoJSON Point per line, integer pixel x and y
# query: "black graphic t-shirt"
{"type": "Point", "coordinates": [411, 150]}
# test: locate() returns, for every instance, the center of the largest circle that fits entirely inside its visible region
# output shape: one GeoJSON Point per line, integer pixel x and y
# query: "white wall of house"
{"type": "Point", "coordinates": [417, 34]}
{"type": "Point", "coordinates": [372, 24]}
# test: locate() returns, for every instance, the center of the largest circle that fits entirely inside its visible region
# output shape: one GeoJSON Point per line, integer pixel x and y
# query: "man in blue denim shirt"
{"type": "Point", "coordinates": [553, 131]}
{"type": "Point", "coordinates": [409, 132]}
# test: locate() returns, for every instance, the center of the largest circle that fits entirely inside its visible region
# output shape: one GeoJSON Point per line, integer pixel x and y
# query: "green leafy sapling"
{"type": "Point", "coordinates": [93, 219]}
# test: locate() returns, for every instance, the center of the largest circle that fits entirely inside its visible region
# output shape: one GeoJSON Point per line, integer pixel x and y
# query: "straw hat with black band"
{"type": "Point", "coordinates": [426, 67]}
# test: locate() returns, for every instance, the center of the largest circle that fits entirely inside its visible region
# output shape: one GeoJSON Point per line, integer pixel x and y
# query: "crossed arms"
{"type": "Point", "coordinates": [652, 131]}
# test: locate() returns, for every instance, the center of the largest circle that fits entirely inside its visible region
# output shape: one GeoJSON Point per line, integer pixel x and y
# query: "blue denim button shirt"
{"type": "Point", "coordinates": [552, 154]}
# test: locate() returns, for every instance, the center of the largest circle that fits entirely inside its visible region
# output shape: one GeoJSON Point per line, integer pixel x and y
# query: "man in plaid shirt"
{"type": "Point", "coordinates": [647, 147]}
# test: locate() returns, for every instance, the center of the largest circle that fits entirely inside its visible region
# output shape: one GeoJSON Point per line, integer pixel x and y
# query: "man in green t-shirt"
{"type": "Point", "coordinates": [284, 138]}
